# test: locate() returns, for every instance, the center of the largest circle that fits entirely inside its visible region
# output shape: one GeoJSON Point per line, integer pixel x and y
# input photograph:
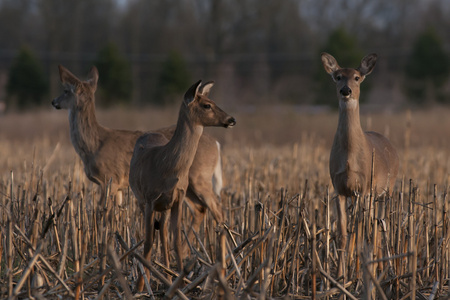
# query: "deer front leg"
{"type": "Point", "coordinates": [149, 220]}
{"type": "Point", "coordinates": [175, 217]}
{"type": "Point", "coordinates": [342, 232]}
{"type": "Point", "coordinates": [164, 235]}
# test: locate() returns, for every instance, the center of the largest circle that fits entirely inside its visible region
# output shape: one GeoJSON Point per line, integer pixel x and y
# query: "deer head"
{"type": "Point", "coordinates": [202, 110]}
{"type": "Point", "coordinates": [76, 93]}
{"type": "Point", "coordinates": [348, 80]}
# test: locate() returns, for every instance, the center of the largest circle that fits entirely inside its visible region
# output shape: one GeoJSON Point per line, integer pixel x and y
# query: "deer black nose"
{"type": "Point", "coordinates": [55, 104]}
{"type": "Point", "coordinates": [346, 91]}
{"type": "Point", "coordinates": [230, 122]}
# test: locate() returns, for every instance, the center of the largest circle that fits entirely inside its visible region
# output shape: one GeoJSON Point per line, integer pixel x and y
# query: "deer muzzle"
{"type": "Point", "coordinates": [345, 91]}
{"type": "Point", "coordinates": [56, 104]}
{"type": "Point", "coordinates": [230, 122]}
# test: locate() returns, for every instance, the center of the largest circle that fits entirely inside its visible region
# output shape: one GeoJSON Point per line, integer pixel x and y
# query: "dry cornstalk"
{"type": "Point", "coordinates": [118, 272]}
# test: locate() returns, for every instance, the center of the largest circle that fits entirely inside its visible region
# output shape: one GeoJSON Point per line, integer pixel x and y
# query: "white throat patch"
{"type": "Point", "coordinates": [348, 104]}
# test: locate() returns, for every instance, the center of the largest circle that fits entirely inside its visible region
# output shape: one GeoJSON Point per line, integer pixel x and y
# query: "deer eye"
{"type": "Point", "coordinates": [207, 106]}
{"type": "Point", "coordinates": [356, 78]}
{"type": "Point", "coordinates": [338, 77]}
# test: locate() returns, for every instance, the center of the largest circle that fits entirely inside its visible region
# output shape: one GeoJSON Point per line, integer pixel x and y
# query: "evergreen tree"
{"type": "Point", "coordinates": [345, 49]}
{"type": "Point", "coordinates": [173, 79]}
{"type": "Point", "coordinates": [115, 79]}
{"type": "Point", "coordinates": [27, 84]}
{"type": "Point", "coordinates": [427, 69]}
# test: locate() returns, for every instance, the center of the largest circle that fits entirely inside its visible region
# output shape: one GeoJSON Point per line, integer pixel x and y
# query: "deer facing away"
{"type": "Point", "coordinates": [159, 168]}
{"type": "Point", "coordinates": [106, 153]}
{"type": "Point", "coordinates": [351, 153]}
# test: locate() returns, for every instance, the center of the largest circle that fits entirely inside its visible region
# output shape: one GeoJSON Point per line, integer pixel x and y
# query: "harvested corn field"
{"type": "Point", "coordinates": [279, 236]}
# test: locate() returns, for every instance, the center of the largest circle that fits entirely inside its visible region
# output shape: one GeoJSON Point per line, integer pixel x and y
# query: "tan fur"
{"type": "Point", "coordinates": [106, 153]}
{"type": "Point", "coordinates": [351, 153]}
{"type": "Point", "coordinates": [159, 169]}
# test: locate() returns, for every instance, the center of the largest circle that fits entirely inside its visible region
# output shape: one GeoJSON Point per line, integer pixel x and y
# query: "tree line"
{"type": "Point", "coordinates": [148, 52]}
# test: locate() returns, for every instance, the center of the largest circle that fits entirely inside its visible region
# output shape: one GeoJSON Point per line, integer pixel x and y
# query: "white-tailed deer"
{"type": "Point", "coordinates": [351, 153]}
{"type": "Point", "coordinates": [159, 168]}
{"type": "Point", "coordinates": [106, 153]}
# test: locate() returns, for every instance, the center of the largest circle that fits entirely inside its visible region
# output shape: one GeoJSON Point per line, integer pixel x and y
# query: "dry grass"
{"type": "Point", "coordinates": [54, 240]}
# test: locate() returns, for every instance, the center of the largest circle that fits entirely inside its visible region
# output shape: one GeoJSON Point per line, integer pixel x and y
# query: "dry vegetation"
{"type": "Point", "coordinates": [279, 238]}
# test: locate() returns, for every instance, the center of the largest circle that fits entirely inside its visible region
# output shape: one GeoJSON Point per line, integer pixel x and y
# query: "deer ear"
{"type": "Point", "coordinates": [367, 64]}
{"type": "Point", "coordinates": [329, 63]}
{"type": "Point", "coordinates": [93, 78]}
{"type": "Point", "coordinates": [67, 77]}
{"type": "Point", "coordinates": [191, 93]}
{"type": "Point", "coordinates": [206, 88]}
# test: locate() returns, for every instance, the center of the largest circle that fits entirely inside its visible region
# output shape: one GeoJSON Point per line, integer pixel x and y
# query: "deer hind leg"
{"type": "Point", "coordinates": [342, 232]}
{"type": "Point", "coordinates": [102, 201]}
{"type": "Point", "coordinates": [108, 192]}
{"type": "Point", "coordinates": [198, 212]}
{"type": "Point", "coordinates": [206, 196]}
{"type": "Point", "coordinates": [214, 205]}
{"type": "Point", "coordinates": [205, 185]}
{"type": "Point", "coordinates": [198, 204]}
{"type": "Point", "coordinates": [100, 206]}
{"type": "Point", "coordinates": [149, 220]}
{"type": "Point", "coordinates": [217, 181]}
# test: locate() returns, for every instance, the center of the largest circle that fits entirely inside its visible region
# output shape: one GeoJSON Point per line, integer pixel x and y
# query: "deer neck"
{"type": "Point", "coordinates": [350, 135]}
{"type": "Point", "coordinates": [183, 145]}
{"type": "Point", "coordinates": [84, 129]}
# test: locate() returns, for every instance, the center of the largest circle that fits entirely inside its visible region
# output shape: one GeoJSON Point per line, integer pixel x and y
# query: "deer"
{"type": "Point", "coordinates": [159, 168]}
{"type": "Point", "coordinates": [354, 151]}
{"type": "Point", "coordinates": [106, 153]}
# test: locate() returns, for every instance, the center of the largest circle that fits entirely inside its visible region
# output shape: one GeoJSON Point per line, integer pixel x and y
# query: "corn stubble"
{"type": "Point", "coordinates": [279, 238]}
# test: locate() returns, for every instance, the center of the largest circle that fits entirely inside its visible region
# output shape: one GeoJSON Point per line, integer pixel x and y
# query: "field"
{"type": "Point", "coordinates": [278, 202]}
